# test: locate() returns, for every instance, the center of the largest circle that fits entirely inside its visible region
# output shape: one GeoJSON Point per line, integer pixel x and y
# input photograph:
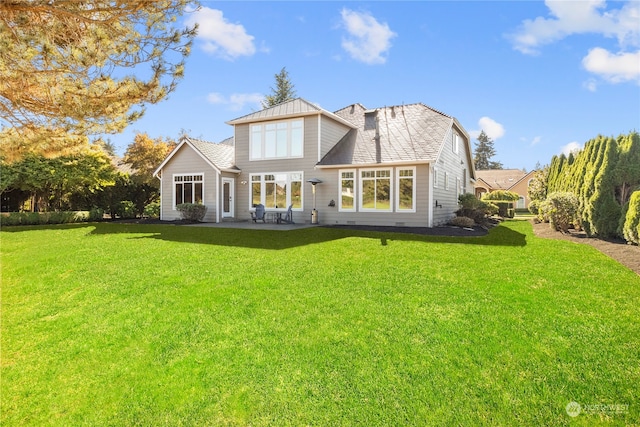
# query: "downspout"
{"type": "Point", "coordinates": [159, 176]}
{"type": "Point", "coordinates": [218, 197]}
{"type": "Point", "coordinates": [430, 197]}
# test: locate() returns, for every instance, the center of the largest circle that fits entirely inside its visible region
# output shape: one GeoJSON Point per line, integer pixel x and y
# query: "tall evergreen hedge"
{"type": "Point", "coordinates": [602, 176]}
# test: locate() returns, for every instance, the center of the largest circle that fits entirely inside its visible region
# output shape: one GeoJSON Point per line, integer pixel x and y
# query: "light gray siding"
{"type": "Point", "coordinates": [187, 161]}
{"type": "Point", "coordinates": [454, 168]}
{"type": "Point", "coordinates": [330, 190]}
{"type": "Point", "coordinates": [330, 133]}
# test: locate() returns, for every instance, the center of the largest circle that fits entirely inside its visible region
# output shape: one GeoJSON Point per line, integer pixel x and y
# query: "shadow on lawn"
{"type": "Point", "coordinates": [276, 239]}
{"type": "Point", "coordinates": [270, 239]}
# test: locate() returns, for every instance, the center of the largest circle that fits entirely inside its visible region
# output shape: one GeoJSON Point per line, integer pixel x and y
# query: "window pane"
{"type": "Point", "coordinates": [270, 195]}
{"type": "Point", "coordinates": [281, 145]}
{"type": "Point", "coordinates": [296, 194]}
{"type": "Point", "coordinates": [347, 193]}
{"type": "Point", "coordinates": [296, 142]}
{"type": "Point", "coordinates": [255, 193]}
{"type": "Point", "coordinates": [383, 194]}
{"type": "Point", "coordinates": [405, 196]}
{"type": "Point", "coordinates": [369, 194]}
{"type": "Point", "coordinates": [197, 193]}
{"type": "Point", "coordinates": [270, 144]}
{"type": "Point", "coordinates": [178, 194]}
{"type": "Point", "coordinates": [188, 193]}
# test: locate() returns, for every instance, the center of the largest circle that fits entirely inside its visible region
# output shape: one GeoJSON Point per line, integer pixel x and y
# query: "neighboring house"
{"type": "Point", "coordinates": [514, 180]}
{"type": "Point", "coordinates": [401, 165]}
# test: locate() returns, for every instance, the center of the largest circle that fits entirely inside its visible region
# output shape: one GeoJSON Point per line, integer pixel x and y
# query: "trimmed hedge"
{"type": "Point", "coordinates": [40, 218]}
{"type": "Point", "coordinates": [192, 211]}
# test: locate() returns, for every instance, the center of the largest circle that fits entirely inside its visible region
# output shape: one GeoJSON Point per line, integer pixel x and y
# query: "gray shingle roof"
{"type": "Point", "coordinates": [221, 155]}
{"type": "Point", "coordinates": [407, 133]}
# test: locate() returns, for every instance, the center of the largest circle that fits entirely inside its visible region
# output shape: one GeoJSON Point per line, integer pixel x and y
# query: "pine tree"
{"type": "Point", "coordinates": [484, 152]}
{"type": "Point", "coordinates": [67, 67]}
{"type": "Point", "coordinates": [284, 90]}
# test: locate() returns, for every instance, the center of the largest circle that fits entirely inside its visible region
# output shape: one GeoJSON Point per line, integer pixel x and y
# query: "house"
{"type": "Point", "coordinates": [514, 180]}
{"type": "Point", "coordinates": [400, 166]}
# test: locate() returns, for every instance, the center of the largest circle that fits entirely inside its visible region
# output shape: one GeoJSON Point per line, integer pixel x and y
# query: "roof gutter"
{"type": "Point", "coordinates": [375, 165]}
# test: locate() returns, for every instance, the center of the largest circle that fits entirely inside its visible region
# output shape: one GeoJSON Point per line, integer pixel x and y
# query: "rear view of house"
{"type": "Point", "coordinates": [400, 165]}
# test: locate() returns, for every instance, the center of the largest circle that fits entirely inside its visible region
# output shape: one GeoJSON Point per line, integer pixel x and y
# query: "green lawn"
{"type": "Point", "coordinates": [107, 324]}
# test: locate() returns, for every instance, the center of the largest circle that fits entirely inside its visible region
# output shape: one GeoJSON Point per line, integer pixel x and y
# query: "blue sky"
{"type": "Point", "coordinates": [538, 77]}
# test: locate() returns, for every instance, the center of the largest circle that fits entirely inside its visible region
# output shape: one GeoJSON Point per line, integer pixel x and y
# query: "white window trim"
{"type": "Point", "coordinates": [262, 190]}
{"type": "Point", "coordinates": [263, 140]}
{"type": "Point", "coordinates": [435, 177]}
{"type": "Point", "coordinates": [413, 188]}
{"type": "Point", "coordinates": [173, 186]}
{"type": "Point", "coordinates": [355, 190]}
{"type": "Point", "coordinates": [455, 141]}
{"type": "Point", "coordinates": [361, 182]}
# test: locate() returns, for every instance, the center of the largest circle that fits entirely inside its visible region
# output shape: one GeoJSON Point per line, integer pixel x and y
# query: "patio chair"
{"type": "Point", "coordinates": [258, 215]}
{"type": "Point", "coordinates": [288, 219]}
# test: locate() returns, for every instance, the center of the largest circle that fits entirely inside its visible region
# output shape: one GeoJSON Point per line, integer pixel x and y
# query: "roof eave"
{"type": "Point", "coordinates": [375, 165]}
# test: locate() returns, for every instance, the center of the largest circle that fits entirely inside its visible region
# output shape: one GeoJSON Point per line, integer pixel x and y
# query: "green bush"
{"type": "Point", "coordinates": [96, 214]}
{"type": "Point", "coordinates": [474, 208]}
{"type": "Point", "coordinates": [534, 206]}
{"type": "Point", "coordinates": [126, 209]}
{"type": "Point", "coordinates": [152, 210]}
{"type": "Point", "coordinates": [462, 221]}
{"type": "Point", "coordinates": [631, 229]}
{"type": "Point", "coordinates": [40, 218]}
{"type": "Point", "coordinates": [561, 209]}
{"type": "Point", "coordinates": [192, 211]}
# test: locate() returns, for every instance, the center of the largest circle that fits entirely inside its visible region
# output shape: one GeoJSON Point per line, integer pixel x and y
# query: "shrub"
{"type": "Point", "coordinates": [561, 209]}
{"type": "Point", "coordinates": [192, 211]}
{"type": "Point", "coordinates": [462, 221]}
{"type": "Point", "coordinates": [631, 229]}
{"type": "Point", "coordinates": [472, 207]}
{"type": "Point", "coordinates": [534, 206]}
{"type": "Point", "coordinates": [152, 210]}
{"type": "Point", "coordinates": [40, 218]}
{"type": "Point", "coordinates": [96, 214]}
{"type": "Point", "coordinates": [126, 209]}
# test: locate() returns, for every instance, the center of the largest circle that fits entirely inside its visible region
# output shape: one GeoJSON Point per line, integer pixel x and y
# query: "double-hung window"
{"type": "Point", "coordinates": [375, 190]}
{"type": "Point", "coordinates": [405, 189]}
{"type": "Point", "coordinates": [277, 190]}
{"type": "Point", "coordinates": [188, 189]}
{"type": "Point", "coordinates": [277, 140]}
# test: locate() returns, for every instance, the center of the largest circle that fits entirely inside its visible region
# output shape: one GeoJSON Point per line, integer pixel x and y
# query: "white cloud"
{"type": "Point", "coordinates": [571, 147]}
{"type": "Point", "coordinates": [236, 101]}
{"type": "Point", "coordinates": [493, 129]}
{"type": "Point", "coordinates": [368, 40]}
{"type": "Point", "coordinates": [579, 17]}
{"type": "Point", "coordinates": [219, 36]}
{"type": "Point", "coordinates": [536, 140]}
{"type": "Point", "coordinates": [615, 68]}
{"type": "Point", "coordinates": [591, 85]}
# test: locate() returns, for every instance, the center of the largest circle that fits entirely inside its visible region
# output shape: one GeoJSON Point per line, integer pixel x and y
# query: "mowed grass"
{"type": "Point", "coordinates": [107, 324]}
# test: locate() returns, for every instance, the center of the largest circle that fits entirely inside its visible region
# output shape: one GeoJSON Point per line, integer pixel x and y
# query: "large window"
{"type": "Point", "coordinates": [406, 190]}
{"type": "Point", "coordinates": [347, 191]}
{"type": "Point", "coordinates": [188, 189]}
{"type": "Point", "coordinates": [277, 140]}
{"type": "Point", "coordinates": [375, 190]}
{"type": "Point", "coordinates": [277, 190]}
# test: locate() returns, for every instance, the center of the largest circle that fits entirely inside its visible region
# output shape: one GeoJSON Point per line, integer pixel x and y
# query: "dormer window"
{"type": "Point", "coordinates": [277, 140]}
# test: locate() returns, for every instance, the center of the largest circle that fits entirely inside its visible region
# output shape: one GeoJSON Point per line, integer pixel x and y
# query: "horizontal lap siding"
{"type": "Point", "coordinates": [454, 165]}
{"type": "Point", "coordinates": [330, 190]}
{"type": "Point", "coordinates": [306, 165]}
{"type": "Point", "coordinates": [187, 161]}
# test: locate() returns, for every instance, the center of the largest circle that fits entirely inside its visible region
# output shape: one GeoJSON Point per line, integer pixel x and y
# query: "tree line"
{"type": "Point", "coordinates": [602, 180]}
{"type": "Point", "coordinates": [93, 178]}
